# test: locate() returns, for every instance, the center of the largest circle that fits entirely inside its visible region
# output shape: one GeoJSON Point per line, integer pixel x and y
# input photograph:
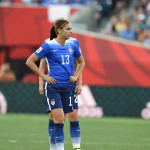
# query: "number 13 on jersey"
{"type": "Point", "coordinates": [65, 59]}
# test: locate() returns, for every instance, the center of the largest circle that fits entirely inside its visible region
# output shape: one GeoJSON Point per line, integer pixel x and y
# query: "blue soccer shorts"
{"type": "Point", "coordinates": [57, 98]}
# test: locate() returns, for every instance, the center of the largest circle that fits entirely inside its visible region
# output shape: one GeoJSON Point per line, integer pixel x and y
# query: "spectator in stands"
{"type": "Point", "coordinates": [133, 14]}
{"type": "Point", "coordinates": [141, 22]}
{"type": "Point", "coordinates": [118, 5]}
{"type": "Point", "coordinates": [146, 34]}
{"type": "Point", "coordinates": [6, 73]}
{"type": "Point", "coordinates": [141, 5]}
{"type": "Point", "coordinates": [111, 27]}
{"type": "Point", "coordinates": [120, 25]}
{"type": "Point", "coordinates": [123, 18]}
{"type": "Point", "coordinates": [128, 33]}
{"type": "Point", "coordinates": [140, 36]}
{"type": "Point", "coordinates": [52, 2]}
{"type": "Point", "coordinates": [138, 32]}
{"type": "Point", "coordinates": [77, 2]}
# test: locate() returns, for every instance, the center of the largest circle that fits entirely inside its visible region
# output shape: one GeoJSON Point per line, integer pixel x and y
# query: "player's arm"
{"type": "Point", "coordinates": [31, 64]}
{"type": "Point", "coordinates": [78, 88]}
{"type": "Point", "coordinates": [42, 67]}
{"type": "Point", "coordinates": [81, 64]}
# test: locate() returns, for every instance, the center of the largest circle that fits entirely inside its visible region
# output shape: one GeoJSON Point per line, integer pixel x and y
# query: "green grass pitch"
{"type": "Point", "coordinates": [29, 132]}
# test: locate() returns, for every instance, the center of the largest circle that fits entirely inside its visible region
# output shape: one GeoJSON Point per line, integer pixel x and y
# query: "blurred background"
{"type": "Point", "coordinates": [114, 36]}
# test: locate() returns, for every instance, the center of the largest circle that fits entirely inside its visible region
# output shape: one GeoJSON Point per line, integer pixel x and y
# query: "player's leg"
{"type": "Point", "coordinates": [51, 132]}
{"type": "Point", "coordinates": [58, 117]}
{"type": "Point", "coordinates": [54, 105]}
{"type": "Point", "coordinates": [75, 132]}
{"type": "Point", "coordinates": [50, 125]}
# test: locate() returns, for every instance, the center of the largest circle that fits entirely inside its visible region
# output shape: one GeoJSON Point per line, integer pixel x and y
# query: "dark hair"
{"type": "Point", "coordinates": [59, 23]}
{"type": "Point", "coordinates": [52, 33]}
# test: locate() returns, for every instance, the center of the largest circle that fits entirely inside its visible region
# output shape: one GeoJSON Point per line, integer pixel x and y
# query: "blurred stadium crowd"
{"type": "Point", "coordinates": [43, 2]}
{"type": "Point", "coordinates": [132, 23]}
{"type": "Point", "coordinates": [104, 6]}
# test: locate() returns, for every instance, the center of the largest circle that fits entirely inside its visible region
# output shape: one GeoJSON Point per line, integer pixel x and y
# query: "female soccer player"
{"type": "Point", "coordinates": [73, 117]}
{"type": "Point", "coordinates": [59, 54]}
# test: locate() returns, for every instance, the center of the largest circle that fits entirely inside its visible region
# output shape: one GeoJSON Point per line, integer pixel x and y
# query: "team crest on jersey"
{"type": "Point", "coordinates": [70, 50]}
{"type": "Point", "coordinates": [52, 102]}
{"type": "Point", "coordinates": [39, 49]}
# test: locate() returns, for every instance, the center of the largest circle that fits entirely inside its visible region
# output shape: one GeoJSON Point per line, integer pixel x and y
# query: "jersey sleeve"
{"type": "Point", "coordinates": [76, 42]}
{"type": "Point", "coordinates": [42, 51]}
{"type": "Point", "coordinates": [77, 52]}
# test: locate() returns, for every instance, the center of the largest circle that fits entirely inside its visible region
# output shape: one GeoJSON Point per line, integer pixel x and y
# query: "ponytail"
{"type": "Point", "coordinates": [52, 33]}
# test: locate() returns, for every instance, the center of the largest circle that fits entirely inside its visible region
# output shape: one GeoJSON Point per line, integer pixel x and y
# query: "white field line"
{"type": "Point", "coordinates": [87, 138]}
{"type": "Point", "coordinates": [12, 141]}
{"type": "Point", "coordinates": [24, 134]}
{"type": "Point", "coordinates": [116, 143]}
{"type": "Point", "coordinates": [83, 143]}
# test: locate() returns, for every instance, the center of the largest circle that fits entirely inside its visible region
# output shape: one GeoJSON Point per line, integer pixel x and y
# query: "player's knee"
{"type": "Point", "coordinates": [72, 116]}
{"type": "Point", "coordinates": [59, 120]}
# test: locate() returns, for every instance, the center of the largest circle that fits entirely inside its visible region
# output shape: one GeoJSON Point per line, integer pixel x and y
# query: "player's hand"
{"type": "Point", "coordinates": [72, 79]}
{"type": "Point", "coordinates": [49, 79]}
{"type": "Point", "coordinates": [41, 90]}
{"type": "Point", "coordinates": [78, 89]}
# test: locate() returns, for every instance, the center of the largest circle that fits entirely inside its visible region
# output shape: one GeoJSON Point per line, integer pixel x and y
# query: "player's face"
{"type": "Point", "coordinates": [66, 31]}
